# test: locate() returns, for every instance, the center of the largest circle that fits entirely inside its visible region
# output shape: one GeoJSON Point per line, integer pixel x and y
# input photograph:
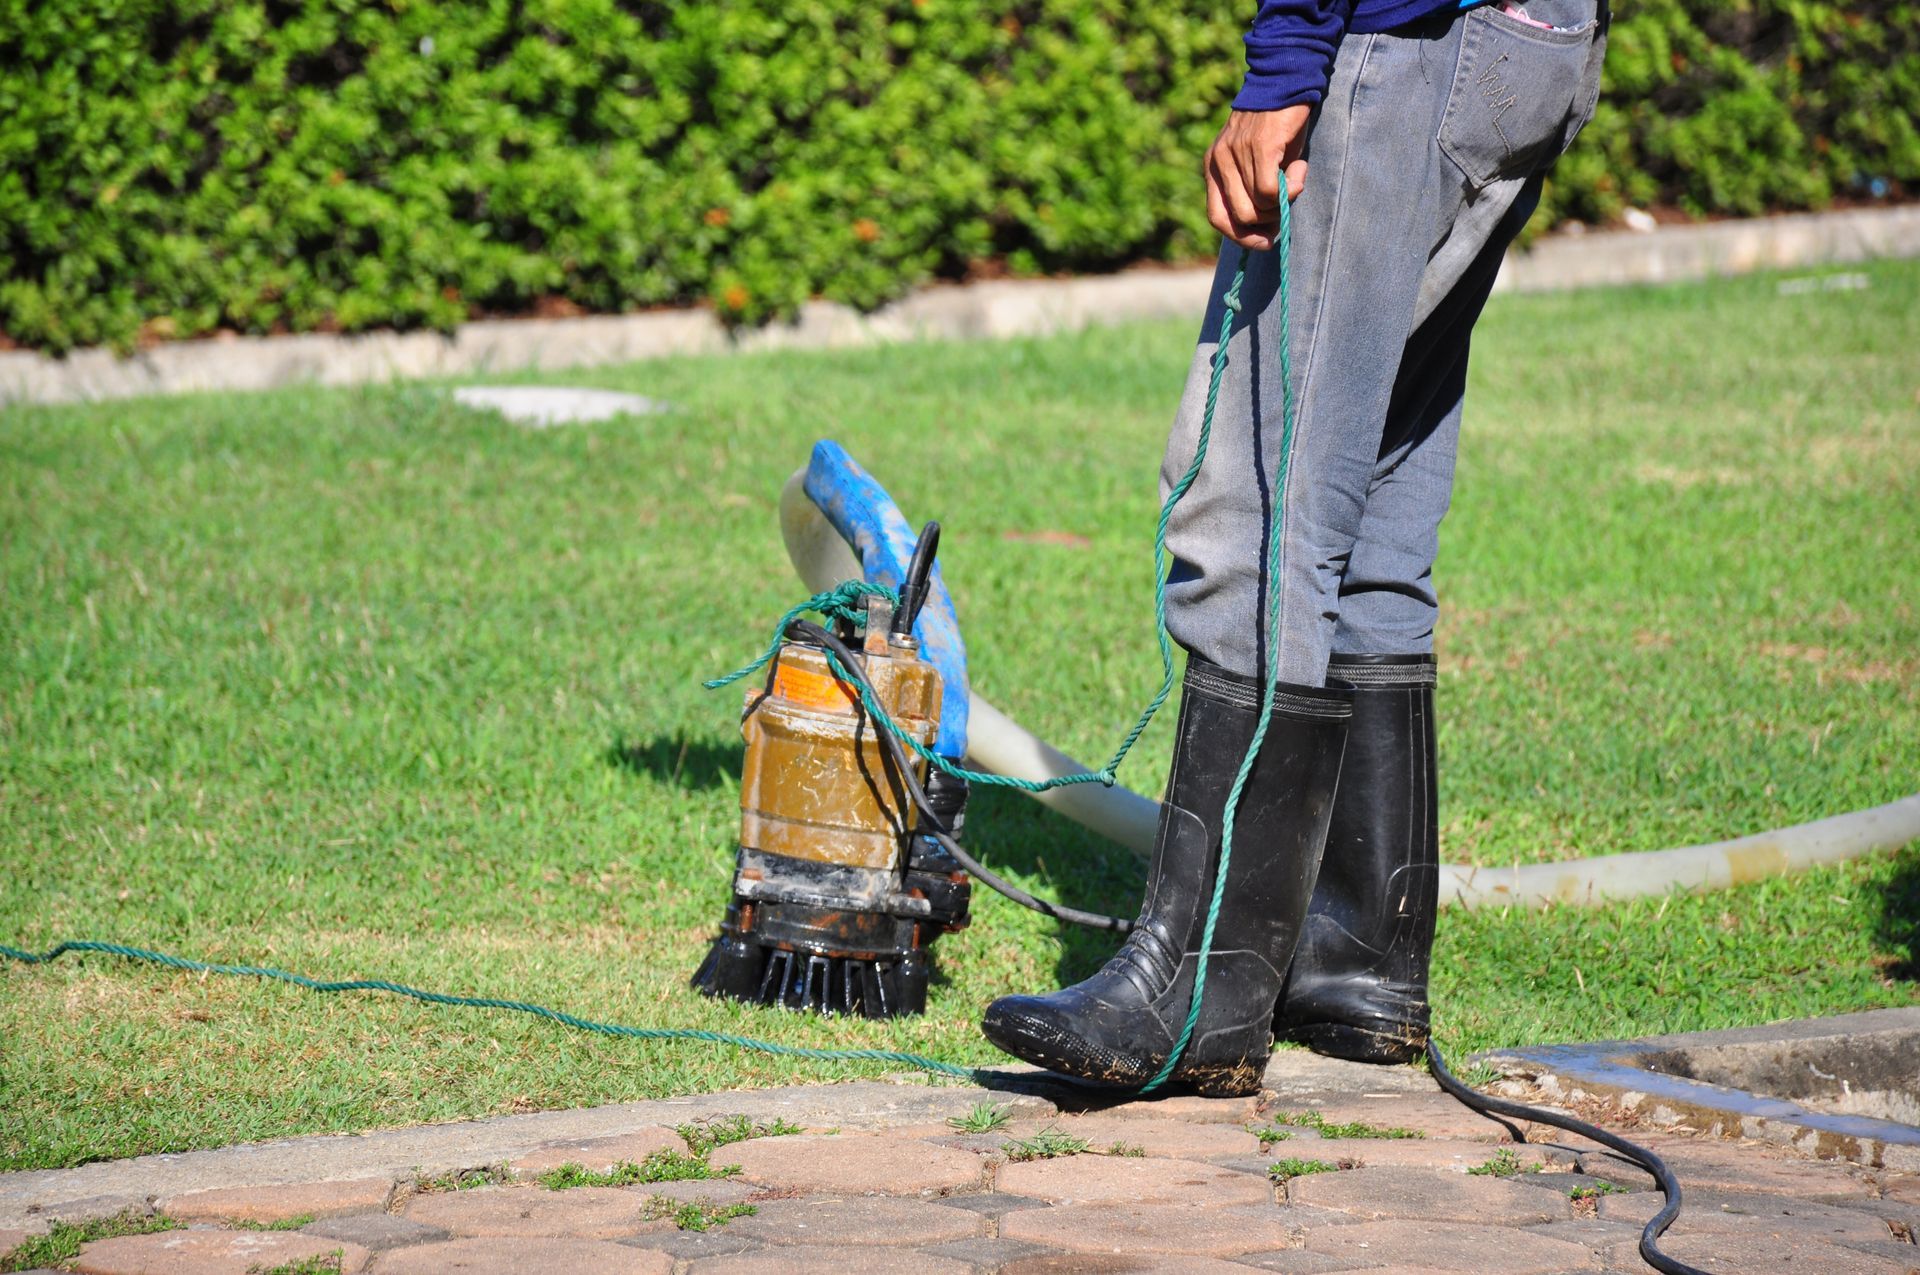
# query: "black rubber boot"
{"type": "Point", "coordinates": [1358, 987]}
{"type": "Point", "coordinates": [1119, 1026]}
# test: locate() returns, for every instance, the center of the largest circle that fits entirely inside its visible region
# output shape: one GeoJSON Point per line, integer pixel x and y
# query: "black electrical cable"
{"type": "Point", "coordinates": [813, 634]}
{"type": "Point", "coordinates": [1642, 1156]}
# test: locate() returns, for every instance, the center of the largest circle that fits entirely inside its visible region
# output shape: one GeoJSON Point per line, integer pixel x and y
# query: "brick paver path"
{"type": "Point", "coordinates": [1180, 1185]}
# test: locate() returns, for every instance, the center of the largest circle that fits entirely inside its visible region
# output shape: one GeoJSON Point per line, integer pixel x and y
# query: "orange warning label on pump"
{"type": "Point", "coordinates": [808, 689]}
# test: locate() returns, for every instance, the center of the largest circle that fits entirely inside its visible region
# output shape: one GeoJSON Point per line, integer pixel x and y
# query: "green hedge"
{"type": "Point", "coordinates": [169, 167]}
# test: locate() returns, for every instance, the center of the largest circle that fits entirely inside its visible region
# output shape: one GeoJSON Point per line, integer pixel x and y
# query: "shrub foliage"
{"type": "Point", "coordinates": [170, 167]}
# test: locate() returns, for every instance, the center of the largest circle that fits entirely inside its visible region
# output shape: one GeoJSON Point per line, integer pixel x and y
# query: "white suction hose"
{"type": "Point", "coordinates": [997, 743]}
{"type": "Point", "coordinates": [1709, 867]}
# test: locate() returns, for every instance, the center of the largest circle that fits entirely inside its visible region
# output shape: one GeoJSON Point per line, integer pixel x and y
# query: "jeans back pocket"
{"type": "Point", "coordinates": [1520, 92]}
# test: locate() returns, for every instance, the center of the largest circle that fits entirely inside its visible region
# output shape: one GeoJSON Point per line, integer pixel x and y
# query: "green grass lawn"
{"type": "Point", "coordinates": [360, 683]}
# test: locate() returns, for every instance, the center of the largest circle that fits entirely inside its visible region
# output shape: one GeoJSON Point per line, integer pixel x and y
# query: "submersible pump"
{"type": "Point", "coordinates": [841, 884]}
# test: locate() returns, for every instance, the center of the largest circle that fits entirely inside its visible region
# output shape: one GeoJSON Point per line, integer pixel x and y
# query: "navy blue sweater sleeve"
{"type": "Point", "coordinates": [1290, 49]}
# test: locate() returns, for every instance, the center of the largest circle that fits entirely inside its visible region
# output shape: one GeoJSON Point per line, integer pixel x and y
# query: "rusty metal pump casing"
{"type": "Point", "coordinates": [838, 893]}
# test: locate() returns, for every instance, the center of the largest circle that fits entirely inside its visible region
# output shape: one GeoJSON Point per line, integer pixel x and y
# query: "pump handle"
{"type": "Point", "coordinates": [913, 591]}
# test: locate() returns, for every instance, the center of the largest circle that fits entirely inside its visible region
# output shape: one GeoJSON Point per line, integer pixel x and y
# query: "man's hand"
{"type": "Point", "coordinates": [1243, 172]}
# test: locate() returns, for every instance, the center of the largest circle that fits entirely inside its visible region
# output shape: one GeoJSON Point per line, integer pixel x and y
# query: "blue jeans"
{"type": "Point", "coordinates": [1424, 161]}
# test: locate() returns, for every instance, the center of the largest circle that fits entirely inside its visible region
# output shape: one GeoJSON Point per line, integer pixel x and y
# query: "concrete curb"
{"type": "Point", "coordinates": [998, 309]}
{"type": "Point", "coordinates": [1757, 1083]}
{"type": "Point", "coordinates": [30, 1197]}
{"type": "Point", "coordinates": [429, 1150]}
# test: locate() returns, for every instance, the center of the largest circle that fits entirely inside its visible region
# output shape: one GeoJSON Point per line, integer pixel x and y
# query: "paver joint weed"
{"type": "Point", "coordinates": [661, 1166]}
{"type": "Point", "coordinates": [63, 1240]}
{"type": "Point", "coordinates": [1284, 1171]}
{"type": "Point", "coordinates": [984, 1117]}
{"type": "Point", "coordinates": [318, 1264]}
{"type": "Point", "coordinates": [1504, 1163]}
{"type": "Point", "coordinates": [695, 1216]}
{"type": "Point", "coordinates": [1047, 1144]}
{"type": "Point", "coordinates": [702, 1136]}
{"type": "Point", "coordinates": [1310, 1119]}
{"type": "Point", "coordinates": [1586, 1198]}
{"type": "Point", "coordinates": [466, 1179]}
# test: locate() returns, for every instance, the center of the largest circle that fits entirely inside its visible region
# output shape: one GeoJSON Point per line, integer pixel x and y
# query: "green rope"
{"type": "Point", "coordinates": [491, 1002]}
{"type": "Point", "coordinates": [1283, 242]}
{"type": "Point", "coordinates": [842, 602]}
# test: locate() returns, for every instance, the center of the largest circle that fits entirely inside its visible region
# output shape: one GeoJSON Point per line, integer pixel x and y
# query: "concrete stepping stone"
{"type": "Point", "coordinates": [1296, 1261]}
{"type": "Point", "coordinates": [993, 1204]}
{"type": "Point", "coordinates": [832, 1261]}
{"type": "Point", "coordinates": [1456, 1155]}
{"type": "Point", "coordinates": [1115, 1228]}
{"type": "Point", "coordinates": [90, 1208]}
{"type": "Point", "coordinates": [702, 1191]}
{"type": "Point", "coordinates": [691, 1246]}
{"type": "Point", "coordinates": [1450, 1246]}
{"type": "Point", "coordinates": [266, 1205]}
{"type": "Point", "coordinates": [1712, 1164]}
{"type": "Point", "coordinates": [988, 1254]}
{"type": "Point", "coordinates": [1903, 1220]}
{"type": "Point", "coordinates": [1190, 1108]}
{"type": "Point", "coordinates": [1295, 1071]}
{"type": "Point", "coordinates": [1098, 1179]}
{"type": "Point", "coordinates": [1423, 1193]}
{"type": "Point", "coordinates": [376, 1232]}
{"type": "Point", "coordinates": [1596, 1233]}
{"type": "Point", "coordinates": [544, 406]}
{"type": "Point", "coordinates": [1764, 1253]}
{"type": "Point", "coordinates": [212, 1253]}
{"type": "Point", "coordinates": [1433, 1114]}
{"type": "Point", "coordinates": [522, 1255]}
{"type": "Point", "coordinates": [1724, 1212]}
{"type": "Point", "coordinates": [856, 1164]}
{"type": "Point", "coordinates": [1112, 1264]}
{"type": "Point", "coordinates": [859, 1220]}
{"type": "Point", "coordinates": [1305, 1217]}
{"type": "Point", "coordinates": [586, 1213]}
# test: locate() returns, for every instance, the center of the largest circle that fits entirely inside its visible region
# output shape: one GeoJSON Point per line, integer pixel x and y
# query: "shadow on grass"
{"type": "Point", "coordinates": [1060, 861]}
{"type": "Point", "coordinates": [679, 761]}
{"type": "Point", "coordinates": [1898, 931]}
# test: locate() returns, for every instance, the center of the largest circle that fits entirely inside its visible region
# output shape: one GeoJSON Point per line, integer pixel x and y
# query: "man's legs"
{"type": "Point", "coordinates": [1423, 162]}
{"type": "Point", "coordinates": [1369, 220]}
{"type": "Point", "coordinates": [1125, 1024]}
{"type": "Point", "coordinates": [1390, 222]}
{"type": "Point", "coordinates": [1358, 985]}
{"type": "Point", "coordinates": [1387, 604]}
